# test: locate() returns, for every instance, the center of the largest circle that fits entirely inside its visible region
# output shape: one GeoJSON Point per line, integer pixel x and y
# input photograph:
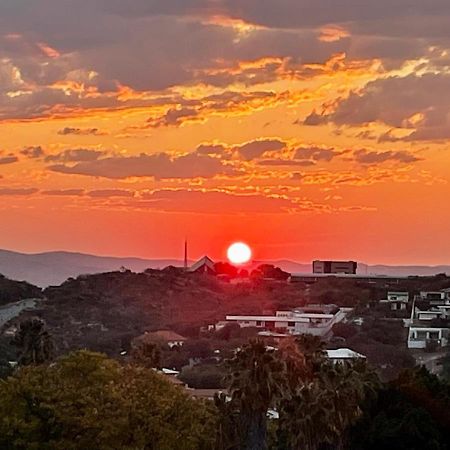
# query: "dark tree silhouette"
{"type": "Point", "coordinates": [256, 381]}
{"type": "Point", "coordinates": [34, 343]}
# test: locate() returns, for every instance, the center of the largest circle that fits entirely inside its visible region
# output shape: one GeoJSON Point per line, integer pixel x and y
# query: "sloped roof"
{"type": "Point", "coordinates": [166, 335]}
{"type": "Point", "coordinates": [343, 353]}
{"type": "Point", "coordinates": [205, 261]}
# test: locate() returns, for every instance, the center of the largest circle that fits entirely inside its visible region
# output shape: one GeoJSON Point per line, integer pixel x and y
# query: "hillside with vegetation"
{"type": "Point", "coordinates": [13, 291]}
{"type": "Point", "coordinates": [106, 312]}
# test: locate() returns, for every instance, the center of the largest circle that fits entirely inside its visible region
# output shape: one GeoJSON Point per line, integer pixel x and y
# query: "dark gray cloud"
{"type": "Point", "coordinates": [9, 159]}
{"type": "Point", "coordinates": [17, 191]}
{"type": "Point", "coordinates": [159, 165]}
{"type": "Point", "coordinates": [156, 44]}
{"type": "Point", "coordinates": [419, 103]}
{"type": "Point", "coordinates": [374, 157]}
{"type": "Point", "coordinates": [64, 192]}
{"type": "Point", "coordinates": [75, 155]}
{"type": "Point", "coordinates": [315, 153]}
{"type": "Point", "coordinates": [255, 149]}
{"type": "Point", "coordinates": [79, 131]}
{"type": "Point", "coordinates": [286, 162]}
{"type": "Point", "coordinates": [107, 193]}
{"type": "Point", "coordinates": [33, 152]}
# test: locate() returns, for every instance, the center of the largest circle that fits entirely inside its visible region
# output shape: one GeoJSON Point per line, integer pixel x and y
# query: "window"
{"type": "Point", "coordinates": [258, 323]}
{"type": "Point", "coordinates": [291, 324]}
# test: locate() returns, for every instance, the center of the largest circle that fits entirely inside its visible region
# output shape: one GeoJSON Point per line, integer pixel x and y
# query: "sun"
{"type": "Point", "coordinates": [239, 253]}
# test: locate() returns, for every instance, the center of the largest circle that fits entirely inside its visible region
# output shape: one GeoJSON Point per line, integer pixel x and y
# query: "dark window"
{"type": "Point", "coordinates": [291, 324]}
{"type": "Point", "coordinates": [258, 323]}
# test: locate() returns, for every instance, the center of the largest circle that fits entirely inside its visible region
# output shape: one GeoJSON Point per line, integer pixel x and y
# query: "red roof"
{"type": "Point", "coordinates": [165, 335]}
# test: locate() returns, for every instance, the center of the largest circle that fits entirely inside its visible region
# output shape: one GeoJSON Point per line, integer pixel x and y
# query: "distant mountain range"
{"type": "Point", "coordinates": [52, 268]}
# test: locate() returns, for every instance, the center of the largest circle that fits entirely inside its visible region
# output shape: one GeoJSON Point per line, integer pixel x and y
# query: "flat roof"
{"type": "Point", "coordinates": [297, 318]}
{"type": "Point", "coordinates": [350, 275]}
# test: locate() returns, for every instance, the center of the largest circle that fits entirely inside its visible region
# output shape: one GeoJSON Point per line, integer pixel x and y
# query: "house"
{"type": "Point", "coordinates": [421, 336]}
{"type": "Point", "coordinates": [434, 296]}
{"type": "Point", "coordinates": [313, 319]}
{"type": "Point", "coordinates": [430, 323]}
{"type": "Point", "coordinates": [203, 265]}
{"type": "Point", "coordinates": [342, 355]}
{"type": "Point", "coordinates": [398, 301]}
{"type": "Point", "coordinates": [169, 337]}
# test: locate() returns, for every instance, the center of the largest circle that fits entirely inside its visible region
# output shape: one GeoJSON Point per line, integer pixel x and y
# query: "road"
{"type": "Point", "coordinates": [12, 310]}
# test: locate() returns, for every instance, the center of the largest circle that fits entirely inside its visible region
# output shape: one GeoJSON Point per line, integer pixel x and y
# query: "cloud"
{"type": "Point", "coordinates": [216, 202]}
{"type": "Point", "coordinates": [173, 117]}
{"type": "Point", "coordinates": [75, 155]}
{"type": "Point", "coordinates": [257, 148]}
{"type": "Point", "coordinates": [17, 191]}
{"type": "Point", "coordinates": [315, 153]}
{"type": "Point", "coordinates": [107, 193]}
{"type": "Point", "coordinates": [159, 165]}
{"type": "Point", "coordinates": [286, 162]}
{"type": "Point", "coordinates": [374, 157]}
{"type": "Point", "coordinates": [64, 192]}
{"type": "Point", "coordinates": [32, 152]}
{"type": "Point", "coordinates": [80, 131]}
{"type": "Point", "coordinates": [211, 149]}
{"type": "Point", "coordinates": [9, 159]}
{"type": "Point", "coordinates": [419, 103]}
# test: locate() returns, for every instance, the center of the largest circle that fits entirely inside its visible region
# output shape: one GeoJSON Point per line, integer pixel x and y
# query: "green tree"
{"type": "Point", "coordinates": [256, 381]}
{"type": "Point", "coordinates": [409, 413]}
{"type": "Point", "coordinates": [146, 354]}
{"type": "Point", "coordinates": [87, 401]}
{"type": "Point", "coordinates": [34, 343]}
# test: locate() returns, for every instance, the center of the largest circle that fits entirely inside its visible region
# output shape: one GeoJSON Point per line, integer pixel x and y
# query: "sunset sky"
{"type": "Point", "coordinates": [307, 128]}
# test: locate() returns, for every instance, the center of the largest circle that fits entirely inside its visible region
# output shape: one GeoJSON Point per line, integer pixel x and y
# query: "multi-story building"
{"type": "Point", "coordinates": [313, 319]}
{"type": "Point", "coordinates": [430, 320]}
{"type": "Point", "coordinates": [347, 267]}
{"type": "Point", "coordinates": [398, 301]}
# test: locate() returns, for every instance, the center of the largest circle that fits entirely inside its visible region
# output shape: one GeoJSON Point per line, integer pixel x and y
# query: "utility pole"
{"type": "Point", "coordinates": [185, 254]}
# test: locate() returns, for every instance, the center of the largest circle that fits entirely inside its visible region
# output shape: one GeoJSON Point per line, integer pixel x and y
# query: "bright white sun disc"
{"type": "Point", "coordinates": [239, 253]}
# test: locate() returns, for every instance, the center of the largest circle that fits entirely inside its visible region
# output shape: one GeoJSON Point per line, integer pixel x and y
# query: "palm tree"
{"type": "Point", "coordinates": [313, 350]}
{"type": "Point", "coordinates": [256, 380]}
{"type": "Point", "coordinates": [227, 437]}
{"type": "Point", "coordinates": [34, 342]}
{"type": "Point", "coordinates": [321, 411]}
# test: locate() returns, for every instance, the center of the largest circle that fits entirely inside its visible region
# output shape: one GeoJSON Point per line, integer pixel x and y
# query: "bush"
{"type": "Point", "coordinates": [203, 376]}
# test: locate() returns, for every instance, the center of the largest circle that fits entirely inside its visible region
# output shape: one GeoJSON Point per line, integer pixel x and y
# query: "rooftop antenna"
{"type": "Point", "coordinates": [185, 254]}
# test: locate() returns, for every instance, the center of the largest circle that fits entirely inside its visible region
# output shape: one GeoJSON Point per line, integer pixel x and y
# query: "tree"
{"type": "Point", "coordinates": [87, 401]}
{"type": "Point", "coordinates": [410, 412]}
{"type": "Point", "coordinates": [34, 343]}
{"type": "Point", "coordinates": [322, 399]}
{"type": "Point", "coordinates": [256, 380]}
{"type": "Point", "coordinates": [270, 271]}
{"type": "Point", "coordinates": [146, 354]}
{"type": "Point", "coordinates": [224, 268]}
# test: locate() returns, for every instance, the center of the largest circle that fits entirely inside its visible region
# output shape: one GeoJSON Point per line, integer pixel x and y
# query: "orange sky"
{"type": "Point", "coordinates": [307, 133]}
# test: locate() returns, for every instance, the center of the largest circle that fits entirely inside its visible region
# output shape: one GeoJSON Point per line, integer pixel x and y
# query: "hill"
{"type": "Point", "coordinates": [53, 268]}
{"type": "Point", "coordinates": [104, 312]}
{"type": "Point", "coordinates": [14, 291]}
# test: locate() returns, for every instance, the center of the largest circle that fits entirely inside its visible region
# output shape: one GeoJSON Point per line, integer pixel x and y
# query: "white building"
{"type": "Point", "coordinates": [430, 326]}
{"type": "Point", "coordinates": [398, 301]}
{"type": "Point", "coordinates": [314, 319]}
{"type": "Point", "coordinates": [420, 336]}
{"type": "Point", "coordinates": [434, 296]}
{"type": "Point", "coordinates": [342, 355]}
